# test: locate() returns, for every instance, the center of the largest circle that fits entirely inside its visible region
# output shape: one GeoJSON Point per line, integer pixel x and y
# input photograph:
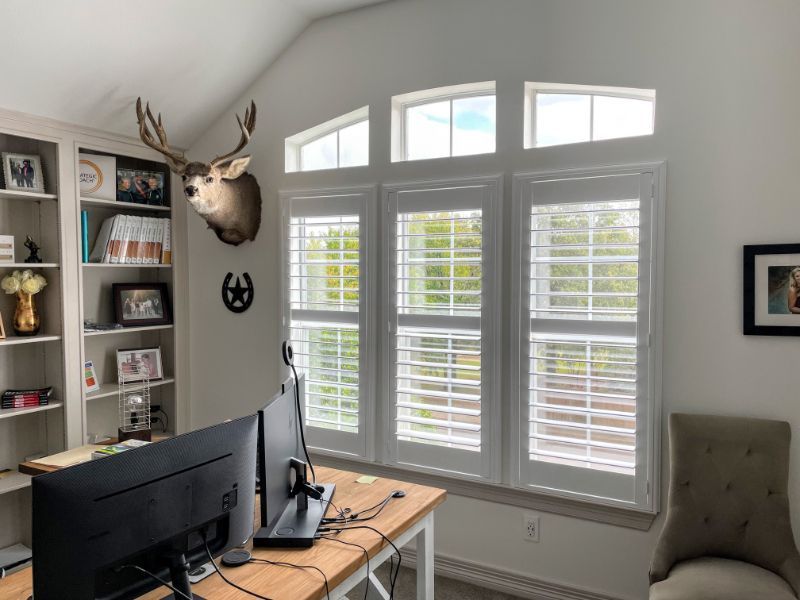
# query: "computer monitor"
{"type": "Point", "coordinates": [287, 520]}
{"type": "Point", "coordinates": [151, 507]}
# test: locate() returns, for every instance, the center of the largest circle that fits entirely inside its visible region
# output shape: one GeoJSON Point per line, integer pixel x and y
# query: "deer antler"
{"type": "Point", "coordinates": [175, 160]}
{"type": "Point", "coordinates": [247, 128]}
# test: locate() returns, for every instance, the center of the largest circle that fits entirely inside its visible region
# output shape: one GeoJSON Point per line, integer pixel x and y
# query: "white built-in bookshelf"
{"type": "Point", "coordinates": [76, 291]}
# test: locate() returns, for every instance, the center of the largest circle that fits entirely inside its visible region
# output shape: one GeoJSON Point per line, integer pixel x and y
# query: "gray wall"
{"type": "Point", "coordinates": [727, 78]}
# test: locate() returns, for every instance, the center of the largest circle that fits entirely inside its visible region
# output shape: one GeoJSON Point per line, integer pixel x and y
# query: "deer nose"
{"type": "Point", "coordinates": [191, 190]}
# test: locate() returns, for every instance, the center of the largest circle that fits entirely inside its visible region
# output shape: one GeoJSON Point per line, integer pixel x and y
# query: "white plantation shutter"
{"type": "Point", "coordinates": [441, 288]}
{"type": "Point", "coordinates": [326, 312]}
{"type": "Point", "coordinates": [588, 370]}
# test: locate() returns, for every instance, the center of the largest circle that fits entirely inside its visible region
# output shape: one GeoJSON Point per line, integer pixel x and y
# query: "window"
{"type": "Point", "coordinates": [558, 114]}
{"type": "Point", "coordinates": [588, 335]}
{"type": "Point", "coordinates": [338, 143]}
{"type": "Point", "coordinates": [449, 121]}
{"type": "Point", "coordinates": [442, 284]}
{"type": "Point", "coordinates": [326, 312]}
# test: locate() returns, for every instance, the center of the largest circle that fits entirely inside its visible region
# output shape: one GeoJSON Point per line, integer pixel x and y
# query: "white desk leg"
{"type": "Point", "coordinates": [375, 590]}
{"type": "Point", "coordinates": [425, 560]}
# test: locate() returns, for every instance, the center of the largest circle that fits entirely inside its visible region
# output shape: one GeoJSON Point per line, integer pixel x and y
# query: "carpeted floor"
{"type": "Point", "coordinates": [445, 589]}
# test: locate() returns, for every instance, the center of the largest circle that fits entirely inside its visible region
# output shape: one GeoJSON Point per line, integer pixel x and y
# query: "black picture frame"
{"type": "Point", "coordinates": [749, 255]}
{"type": "Point", "coordinates": [163, 311]}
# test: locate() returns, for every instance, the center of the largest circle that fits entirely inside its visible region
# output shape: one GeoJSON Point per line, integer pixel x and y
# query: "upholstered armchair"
{"type": "Point", "coordinates": [728, 533]}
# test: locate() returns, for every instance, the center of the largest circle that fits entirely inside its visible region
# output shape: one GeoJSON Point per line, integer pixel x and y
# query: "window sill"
{"type": "Point", "coordinates": [491, 492]}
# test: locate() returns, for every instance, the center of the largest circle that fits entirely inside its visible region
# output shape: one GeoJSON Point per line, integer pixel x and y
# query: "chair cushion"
{"type": "Point", "coordinates": [720, 579]}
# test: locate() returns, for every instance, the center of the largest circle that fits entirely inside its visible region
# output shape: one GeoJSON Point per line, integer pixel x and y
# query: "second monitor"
{"type": "Point", "coordinates": [291, 507]}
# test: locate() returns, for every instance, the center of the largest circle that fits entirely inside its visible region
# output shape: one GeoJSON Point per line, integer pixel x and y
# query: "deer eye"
{"type": "Point", "coordinates": [209, 180]}
{"type": "Point", "coordinates": [183, 177]}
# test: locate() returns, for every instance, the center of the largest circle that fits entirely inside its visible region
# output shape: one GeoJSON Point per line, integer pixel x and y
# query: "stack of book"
{"type": "Point", "coordinates": [125, 239]}
{"type": "Point", "coordinates": [26, 398]}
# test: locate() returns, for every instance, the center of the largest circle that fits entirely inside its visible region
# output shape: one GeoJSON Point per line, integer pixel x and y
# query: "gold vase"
{"type": "Point", "coordinates": [26, 317]}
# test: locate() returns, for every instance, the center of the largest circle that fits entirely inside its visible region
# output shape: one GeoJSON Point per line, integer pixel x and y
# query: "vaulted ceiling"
{"type": "Point", "coordinates": [86, 61]}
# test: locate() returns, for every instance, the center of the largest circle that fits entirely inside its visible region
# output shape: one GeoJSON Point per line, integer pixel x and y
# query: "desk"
{"type": "Point", "coordinates": [403, 520]}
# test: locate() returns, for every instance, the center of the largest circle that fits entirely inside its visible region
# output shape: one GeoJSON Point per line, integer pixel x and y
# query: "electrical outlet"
{"type": "Point", "coordinates": [530, 527]}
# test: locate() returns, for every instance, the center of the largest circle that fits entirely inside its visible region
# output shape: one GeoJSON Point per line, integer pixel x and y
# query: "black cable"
{"type": "Point", "coordinates": [300, 424]}
{"type": "Point", "coordinates": [366, 554]}
{"type": "Point", "coordinates": [392, 577]}
{"type": "Point", "coordinates": [343, 517]}
{"type": "Point", "coordinates": [285, 564]}
{"type": "Point", "coordinates": [225, 579]}
{"type": "Point", "coordinates": [176, 591]}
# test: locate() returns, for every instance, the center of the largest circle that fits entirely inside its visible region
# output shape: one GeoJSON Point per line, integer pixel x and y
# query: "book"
{"type": "Point", "coordinates": [118, 448]}
{"type": "Point", "coordinates": [101, 242]}
{"type": "Point", "coordinates": [90, 383]}
{"type": "Point", "coordinates": [125, 238]}
{"type": "Point", "coordinates": [159, 239]}
{"type": "Point", "coordinates": [115, 243]}
{"type": "Point", "coordinates": [166, 244]}
{"type": "Point", "coordinates": [6, 249]}
{"type": "Point", "coordinates": [85, 236]}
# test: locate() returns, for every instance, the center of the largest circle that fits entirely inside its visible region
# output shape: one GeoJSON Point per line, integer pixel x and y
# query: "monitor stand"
{"type": "Point", "coordinates": [179, 573]}
{"type": "Point", "coordinates": [296, 528]}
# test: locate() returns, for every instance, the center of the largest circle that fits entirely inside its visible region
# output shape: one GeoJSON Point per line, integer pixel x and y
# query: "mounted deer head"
{"type": "Point", "coordinates": [221, 192]}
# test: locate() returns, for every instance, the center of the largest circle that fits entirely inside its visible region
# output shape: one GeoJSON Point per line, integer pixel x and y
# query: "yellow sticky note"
{"type": "Point", "coordinates": [368, 479]}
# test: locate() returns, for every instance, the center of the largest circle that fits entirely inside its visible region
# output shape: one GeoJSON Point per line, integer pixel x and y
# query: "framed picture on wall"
{"type": "Point", "coordinates": [141, 304]}
{"type": "Point", "coordinates": [771, 300]}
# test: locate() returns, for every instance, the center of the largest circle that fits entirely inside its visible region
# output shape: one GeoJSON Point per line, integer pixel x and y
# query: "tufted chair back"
{"type": "Point", "coordinates": [728, 495]}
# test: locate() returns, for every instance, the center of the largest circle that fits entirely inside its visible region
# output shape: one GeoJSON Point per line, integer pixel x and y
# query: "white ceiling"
{"type": "Point", "coordinates": [86, 61]}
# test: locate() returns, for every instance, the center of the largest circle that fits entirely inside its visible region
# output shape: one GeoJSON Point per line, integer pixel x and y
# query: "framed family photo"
{"type": "Point", "coordinates": [146, 361]}
{"type": "Point", "coordinates": [771, 303]}
{"type": "Point", "coordinates": [140, 187]}
{"type": "Point", "coordinates": [141, 304]}
{"type": "Point", "coordinates": [23, 172]}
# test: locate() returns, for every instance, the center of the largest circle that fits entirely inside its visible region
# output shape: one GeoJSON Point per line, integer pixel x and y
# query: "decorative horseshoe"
{"type": "Point", "coordinates": [237, 298]}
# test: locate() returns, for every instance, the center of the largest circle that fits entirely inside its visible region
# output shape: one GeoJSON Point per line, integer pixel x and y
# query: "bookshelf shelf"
{"type": "Point", "coordinates": [8, 413]}
{"type": "Point", "coordinates": [124, 266]}
{"type": "Point", "coordinates": [34, 196]}
{"type": "Point", "coordinates": [111, 389]}
{"type": "Point", "coordinates": [126, 330]}
{"type": "Point", "coordinates": [113, 204]}
{"type": "Point", "coordinates": [35, 339]}
{"type": "Point", "coordinates": [13, 482]}
{"type": "Point", "coordinates": [31, 266]}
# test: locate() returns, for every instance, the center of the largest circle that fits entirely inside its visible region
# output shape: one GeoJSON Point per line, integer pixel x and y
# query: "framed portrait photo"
{"type": "Point", "coordinates": [771, 289]}
{"type": "Point", "coordinates": [141, 304]}
{"type": "Point", "coordinates": [146, 361]}
{"type": "Point", "coordinates": [23, 172]}
{"type": "Point", "coordinates": [141, 187]}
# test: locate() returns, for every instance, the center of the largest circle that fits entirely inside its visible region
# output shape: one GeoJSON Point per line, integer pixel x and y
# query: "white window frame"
{"type": "Point", "coordinates": [337, 201]}
{"type": "Point", "coordinates": [425, 457]}
{"type": "Point", "coordinates": [560, 480]}
{"type": "Point", "coordinates": [293, 145]}
{"type": "Point", "coordinates": [402, 102]}
{"type": "Point", "coordinates": [533, 88]}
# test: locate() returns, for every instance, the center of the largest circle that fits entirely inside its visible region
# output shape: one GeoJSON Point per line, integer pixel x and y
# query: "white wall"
{"type": "Point", "coordinates": [727, 80]}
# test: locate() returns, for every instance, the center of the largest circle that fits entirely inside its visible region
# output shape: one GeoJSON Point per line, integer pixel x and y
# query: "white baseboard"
{"type": "Point", "coordinates": [503, 581]}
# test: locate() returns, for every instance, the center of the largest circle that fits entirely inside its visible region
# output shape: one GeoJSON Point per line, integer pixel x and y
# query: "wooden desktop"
{"type": "Point", "coordinates": [403, 519]}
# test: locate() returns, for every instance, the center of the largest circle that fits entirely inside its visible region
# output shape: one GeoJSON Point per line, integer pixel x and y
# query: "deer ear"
{"type": "Point", "coordinates": [231, 169]}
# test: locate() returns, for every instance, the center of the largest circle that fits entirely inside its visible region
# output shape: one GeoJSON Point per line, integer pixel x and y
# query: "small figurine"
{"type": "Point", "coordinates": [33, 249]}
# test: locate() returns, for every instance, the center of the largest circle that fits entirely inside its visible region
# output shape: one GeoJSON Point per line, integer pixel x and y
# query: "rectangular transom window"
{"type": "Point", "coordinates": [338, 143]}
{"type": "Point", "coordinates": [557, 114]}
{"type": "Point", "coordinates": [442, 286]}
{"type": "Point", "coordinates": [587, 369]}
{"type": "Point", "coordinates": [325, 313]}
{"type": "Point", "coordinates": [450, 121]}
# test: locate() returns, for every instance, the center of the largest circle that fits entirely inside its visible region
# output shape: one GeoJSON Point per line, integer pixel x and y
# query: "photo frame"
{"type": "Point", "coordinates": [771, 290]}
{"type": "Point", "coordinates": [141, 304]}
{"type": "Point", "coordinates": [136, 186]}
{"type": "Point", "coordinates": [149, 358]}
{"type": "Point", "coordinates": [23, 172]}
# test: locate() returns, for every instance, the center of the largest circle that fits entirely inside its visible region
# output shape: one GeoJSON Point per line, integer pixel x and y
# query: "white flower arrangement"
{"type": "Point", "coordinates": [23, 281]}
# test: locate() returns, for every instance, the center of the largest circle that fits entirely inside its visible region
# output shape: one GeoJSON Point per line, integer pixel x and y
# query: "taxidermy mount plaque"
{"type": "Point", "coordinates": [237, 298]}
{"type": "Point", "coordinates": [221, 192]}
